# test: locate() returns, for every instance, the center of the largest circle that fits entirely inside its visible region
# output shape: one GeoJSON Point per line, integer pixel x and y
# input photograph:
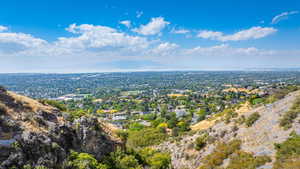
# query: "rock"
{"type": "Point", "coordinates": [41, 139]}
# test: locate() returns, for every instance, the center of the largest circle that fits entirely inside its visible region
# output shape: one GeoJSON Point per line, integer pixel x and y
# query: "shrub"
{"type": "Point", "coordinates": [54, 103]}
{"type": "Point", "coordinates": [201, 141]}
{"type": "Point", "coordinates": [3, 109]}
{"type": "Point", "coordinates": [129, 162]}
{"type": "Point", "coordinates": [160, 161]}
{"type": "Point", "coordinates": [145, 137]}
{"type": "Point", "coordinates": [288, 118]}
{"type": "Point", "coordinates": [83, 161]}
{"type": "Point", "coordinates": [77, 114]}
{"type": "Point", "coordinates": [155, 159]}
{"type": "Point", "coordinates": [240, 120]}
{"type": "Point", "coordinates": [242, 160]}
{"type": "Point", "coordinates": [288, 153]}
{"type": "Point", "coordinates": [220, 153]}
{"type": "Point", "coordinates": [229, 114]}
{"type": "Point", "coordinates": [136, 126]}
{"type": "Point", "coordinates": [123, 135]}
{"type": "Point", "coordinates": [252, 119]}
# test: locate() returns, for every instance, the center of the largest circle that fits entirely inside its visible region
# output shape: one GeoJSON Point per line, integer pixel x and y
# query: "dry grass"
{"type": "Point", "coordinates": [205, 124]}
{"type": "Point", "coordinates": [31, 103]}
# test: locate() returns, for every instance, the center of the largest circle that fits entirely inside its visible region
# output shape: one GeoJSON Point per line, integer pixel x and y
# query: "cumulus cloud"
{"type": "Point", "coordinates": [155, 26]}
{"type": "Point", "coordinates": [283, 16]}
{"type": "Point", "coordinates": [252, 33]}
{"type": "Point", "coordinates": [101, 37]}
{"type": "Point", "coordinates": [3, 28]}
{"type": "Point", "coordinates": [90, 47]}
{"type": "Point", "coordinates": [139, 14]}
{"type": "Point", "coordinates": [180, 31]}
{"type": "Point", "coordinates": [127, 23]}
{"type": "Point", "coordinates": [15, 42]}
{"type": "Point", "coordinates": [165, 48]}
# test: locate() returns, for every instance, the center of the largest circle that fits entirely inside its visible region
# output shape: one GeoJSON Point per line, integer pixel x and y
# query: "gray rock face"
{"type": "Point", "coordinates": [51, 149]}
{"type": "Point", "coordinates": [45, 138]}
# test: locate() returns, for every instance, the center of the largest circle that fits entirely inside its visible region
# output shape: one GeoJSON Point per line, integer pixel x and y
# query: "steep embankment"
{"type": "Point", "coordinates": [257, 139]}
{"type": "Point", "coordinates": [37, 134]}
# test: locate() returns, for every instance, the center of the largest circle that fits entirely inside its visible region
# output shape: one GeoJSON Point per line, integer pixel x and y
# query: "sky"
{"type": "Point", "coordinates": [64, 36]}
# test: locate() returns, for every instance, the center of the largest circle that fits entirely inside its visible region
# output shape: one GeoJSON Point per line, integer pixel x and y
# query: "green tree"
{"type": "Point", "coordinates": [160, 161]}
{"type": "Point", "coordinates": [83, 161]}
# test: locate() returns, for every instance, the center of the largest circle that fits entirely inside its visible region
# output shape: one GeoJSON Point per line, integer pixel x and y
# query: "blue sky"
{"type": "Point", "coordinates": [95, 36]}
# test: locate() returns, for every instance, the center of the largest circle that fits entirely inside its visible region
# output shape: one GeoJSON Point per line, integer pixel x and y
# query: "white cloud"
{"type": "Point", "coordinates": [165, 48]}
{"type": "Point", "coordinates": [139, 14]}
{"type": "Point", "coordinates": [3, 28]}
{"type": "Point", "coordinates": [226, 50]}
{"type": "Point", "coordinates": [127, 23]}
{"type": "Point", "coordinates": [90, 47]}
{"type": "Point", "coordinates": [101, 37]}
{"type": "Point", "coordinates": [180, 31]}
{"type": "Point", "coordinates": [15, 42]}
{"type": "Point", "coordinates": [210, 35]}
{"type": "Point", "coordinates": [252, 33]}
{"type": "Point", "coordinates": [283, 16]}
{"type": "Point", "coordinates": [155, 26]}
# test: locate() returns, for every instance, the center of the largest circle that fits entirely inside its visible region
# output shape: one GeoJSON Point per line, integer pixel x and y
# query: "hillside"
{"type": "Point", "coordinates": [36, 134]}
{"type": "Point", "coordinates": [256, 138]}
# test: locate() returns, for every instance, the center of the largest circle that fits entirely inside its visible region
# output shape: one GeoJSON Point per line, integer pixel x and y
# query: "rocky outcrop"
{"type": "Point", "coordinates": [258, 139]}
{"type": "Point", "coordinates": [36, 134]}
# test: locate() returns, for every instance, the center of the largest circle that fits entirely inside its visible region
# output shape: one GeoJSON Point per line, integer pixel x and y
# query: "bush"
{"type": "Point", "coordinates": [145, 137]}
{"type": "Point", "coordinates": [129, 162]}
{"type": "Point", "coordinates": [36, 167]}
{"type": "Point", "coordinates": [136, 126]}
{"type": "Point", "coordinates": [252, 119]}
{"type": "Point", "coordinates": [122, 160]}
{"type": "Point", "coordinates": [160, 161]}
{"type": "Point", "coordinates": [242, 160]}
{"type": "Point", "coordinates": [201, 141]}
{"type": "Point", "coordinates": [238, 158]}
{"type": "Point", "coordinates": [83, 161]}
{"type": "Point", "coordinates": [155, 159]}
{"type": "Point", "coordinates": [77, 114]}
{"type": "Point", "coordinates": [288, 118]}
{"type": "Point", "coordinates": [240, 120]}
{"type": "Point", "coordinates": [288, 153]}
{"type": "Point", "coordinates": [221, 152]}
{"type": "Point", "coordinates": [123, 135]}
{"type": "Point", "coordinates": [3, 109]}
{"type": "Point", "coordinates": [54, 103]}
{"type": "Point", "coordinates": [229, 114]}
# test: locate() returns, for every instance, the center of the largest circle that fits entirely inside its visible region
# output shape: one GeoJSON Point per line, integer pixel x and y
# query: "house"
{"type": "Point", "coordinates": [180, 112]}
{"type": "Point", "coordinates": [119, 116]}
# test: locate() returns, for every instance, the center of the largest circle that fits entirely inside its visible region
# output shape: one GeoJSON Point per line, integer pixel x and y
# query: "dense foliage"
{"type": "Point", "coordinates": [288, 153]}
{"type": "Point", "coordinates": [146, 137]}
{"type": "Point", "coordinates": [83, 161]}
